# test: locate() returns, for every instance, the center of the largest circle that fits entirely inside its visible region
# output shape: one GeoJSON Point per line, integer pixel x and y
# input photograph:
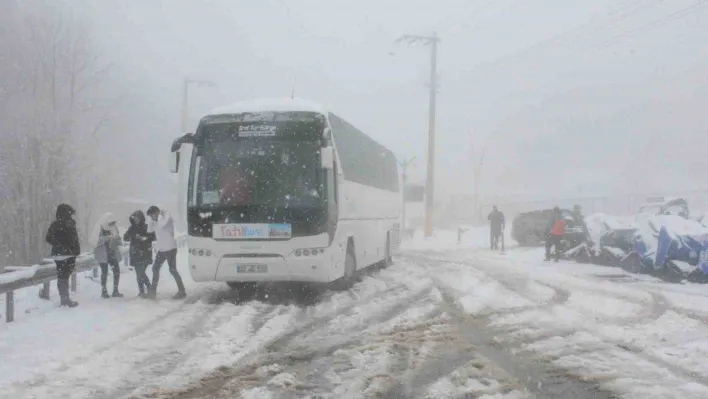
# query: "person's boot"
{"type": "Point", "coordinates": [152, 292]}
{"type": "Point", "coordinates": [116, 281]}
{"type": "Point", "coordinates": [104, 293]}
{"type": "Point", "coordinates": [63, 288]}
{"type": "Point", "coordinates": [181, 293]}
{"type": "Point", "coordinates": [66, 301]}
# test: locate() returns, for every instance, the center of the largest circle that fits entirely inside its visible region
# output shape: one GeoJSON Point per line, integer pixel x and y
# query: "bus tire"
{"type": "Point", "coordinates": [346, 281]}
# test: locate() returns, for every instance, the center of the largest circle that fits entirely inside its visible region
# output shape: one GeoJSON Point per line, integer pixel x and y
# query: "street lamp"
{"type": "Point", "coordinates": [185, 94]}
{"type": "Point", "coordinates": [432, 41]}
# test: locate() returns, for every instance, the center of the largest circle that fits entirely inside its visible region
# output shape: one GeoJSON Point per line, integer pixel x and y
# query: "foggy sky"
{"type": "Point", "coordinates": [615, 104]}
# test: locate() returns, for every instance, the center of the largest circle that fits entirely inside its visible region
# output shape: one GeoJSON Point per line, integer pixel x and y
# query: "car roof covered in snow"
{"type": "Point", "coordinates": [666, 201]}
{"type": "Point", "coordinates": [270, 105]}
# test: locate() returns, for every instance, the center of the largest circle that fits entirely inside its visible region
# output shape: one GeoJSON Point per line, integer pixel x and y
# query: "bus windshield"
{"type": "Point", "coordinates": [245, 166]}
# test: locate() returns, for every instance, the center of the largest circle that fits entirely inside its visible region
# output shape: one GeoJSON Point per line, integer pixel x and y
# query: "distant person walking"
{"type": "Point", "coordinates": [64, 239]}
{"type": "Point", "coordinates": [160, 223]}
{"type": "Point", "coordinates": [496, 227]}
{"type": "Point", "coordinates": [140, 250]}
{"type": "Point", "coordinates": [556, 231]}
{"type": "Point", "coordinates": [106, 242]}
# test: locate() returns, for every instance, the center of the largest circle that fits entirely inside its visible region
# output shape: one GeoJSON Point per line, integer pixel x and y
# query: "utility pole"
{"type": "Point", "coordinates": [185, 102]}
{"type": "Point", "coordinates": [477, 165]}
{"type": "Point", "coordinates": [430, 173]}
{"type": "Point", "coordinates": [404, 179]}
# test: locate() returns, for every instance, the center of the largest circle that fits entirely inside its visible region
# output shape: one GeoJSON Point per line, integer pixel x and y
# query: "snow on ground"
{"type": "Point", "coordinates": [632, 334]}
{"type": "Point", "coordinates": [449, 320]}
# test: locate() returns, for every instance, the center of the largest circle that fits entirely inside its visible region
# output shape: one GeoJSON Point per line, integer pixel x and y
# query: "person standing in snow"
{"type": "Point", "coordinates": [160, 222]}
{"type": "Point", "coordinates": [106, 242]}
{"type": "Point", "coordinates": [496, 226]}
{"type": "Point", "coordinates": [555, 234]}
{"type": "Point", "coordinates": [140, 250]}
{"type": "Point", "coordinates": [64, 239]}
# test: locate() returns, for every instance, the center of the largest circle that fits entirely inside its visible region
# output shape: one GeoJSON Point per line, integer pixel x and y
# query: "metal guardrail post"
{"type": "Point", "coordinates": [44, 293]}
{"type": "Point", "coordinates": [10, 306]}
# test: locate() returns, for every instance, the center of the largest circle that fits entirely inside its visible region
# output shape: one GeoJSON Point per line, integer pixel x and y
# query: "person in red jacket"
{"type": "Point", "coordinates": [555, 234]}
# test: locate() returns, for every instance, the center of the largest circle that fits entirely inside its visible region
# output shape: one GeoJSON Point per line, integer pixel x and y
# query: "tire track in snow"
{"type": "Point", "coordinates": [309, 364]}
{"type": "Point", "coordinates": [537, 378]}
{"type": "Point", "coordinates": [157, 365]}
{"type": "Point", "coordinates": [650, 312]}
{"type": "Point", "coordinates": [212, 383]}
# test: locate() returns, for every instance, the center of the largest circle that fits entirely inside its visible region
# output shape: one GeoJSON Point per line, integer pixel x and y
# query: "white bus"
{"type": "Point", "coordinates": [284, 191]}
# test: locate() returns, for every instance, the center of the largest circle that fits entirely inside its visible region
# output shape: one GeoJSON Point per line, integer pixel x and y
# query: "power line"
{"type": "Point", "coordinates": [622, 13]}
{"type": "Point", "coordinates": [656, 23]}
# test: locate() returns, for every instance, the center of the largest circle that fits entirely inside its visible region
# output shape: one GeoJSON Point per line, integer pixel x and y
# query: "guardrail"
{"type": "Point", "coordinates": [46, 273]}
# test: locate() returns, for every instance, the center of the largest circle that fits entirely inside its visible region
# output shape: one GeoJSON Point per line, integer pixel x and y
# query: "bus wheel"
{"type": "Point", "coordinates": [346, 281]}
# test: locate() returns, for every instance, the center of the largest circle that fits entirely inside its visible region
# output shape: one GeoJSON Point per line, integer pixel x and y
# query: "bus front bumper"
{"type": "Point", "coordinates": [311, 269]}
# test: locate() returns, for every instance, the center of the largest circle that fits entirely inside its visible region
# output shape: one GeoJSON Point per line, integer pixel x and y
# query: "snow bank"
{"type": "Point", "coordinates": [599, 223]}
{"type": "Point", "coordinates": [678, 226]}
{"type": "Point", "coordinates": [18, 274]}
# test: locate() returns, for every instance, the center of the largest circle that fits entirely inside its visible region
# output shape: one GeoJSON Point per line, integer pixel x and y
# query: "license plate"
{"type": "Point", "coordinates": [252, 269]}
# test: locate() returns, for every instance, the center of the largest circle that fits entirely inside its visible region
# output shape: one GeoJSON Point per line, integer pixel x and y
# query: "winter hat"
{"type": "Point", "coordinates": [137, 217]}
{"type": "Point", "coordinates": [64, 211]}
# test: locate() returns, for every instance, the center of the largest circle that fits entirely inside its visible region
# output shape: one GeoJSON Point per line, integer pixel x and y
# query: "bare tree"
{"type": "Point", "coordinates": [48, 123]}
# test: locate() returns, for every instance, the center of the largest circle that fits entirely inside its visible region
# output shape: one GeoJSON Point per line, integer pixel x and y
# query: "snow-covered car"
{"type": "Point", "coordinates": [676, 206]}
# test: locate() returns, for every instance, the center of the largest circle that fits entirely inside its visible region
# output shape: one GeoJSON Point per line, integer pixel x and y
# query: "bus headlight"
{"type": "Point", "coordinates": [200, 252]}
{"type": "Point", "coordinates": [308, 251]}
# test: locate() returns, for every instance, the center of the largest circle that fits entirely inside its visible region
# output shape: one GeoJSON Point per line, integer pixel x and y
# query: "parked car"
{"type": "Point", "coordinates": [676, 206]}
{"type": "Point", "coordinates": [531, 228]}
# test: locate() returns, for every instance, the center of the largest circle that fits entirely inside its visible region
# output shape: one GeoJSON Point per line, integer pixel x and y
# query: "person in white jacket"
{"type": "Point", "coordinates": [160, 223]}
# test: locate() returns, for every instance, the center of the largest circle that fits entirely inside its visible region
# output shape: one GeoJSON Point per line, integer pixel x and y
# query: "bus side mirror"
{"type": "Point", "coordinates": [174, 162]}
{"type": "Point", "coordinates": [327, 158]}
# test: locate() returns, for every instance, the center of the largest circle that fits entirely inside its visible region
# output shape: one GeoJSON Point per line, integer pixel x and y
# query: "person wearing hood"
{"type": "Point", "coordinates": [64, 239]}
{"type": "Point", "coordinates": [140, 249]}
{"type": "Point", "coordinates": [160, 222]}
{"type": "Point", "coordinates": [106, 242]}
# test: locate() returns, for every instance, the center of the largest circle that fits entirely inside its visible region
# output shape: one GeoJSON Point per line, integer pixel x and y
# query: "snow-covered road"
{"type": "Point", "coordinates": [447, 320]}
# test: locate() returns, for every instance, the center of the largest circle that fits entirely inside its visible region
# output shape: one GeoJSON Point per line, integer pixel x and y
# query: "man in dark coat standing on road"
{"type": "Point", "coordinates": [64, 239]}
{"type": "Point", "coordinates": [496, 226]}
{"type": "Point", "coordinates": [140, 249]}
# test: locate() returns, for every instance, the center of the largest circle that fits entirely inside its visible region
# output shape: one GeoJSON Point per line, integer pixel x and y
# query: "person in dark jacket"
{"type": "Point", "coordinates": [556, 231]}
{"type": "Point", "coordinates": [140, 249]}
{"type": "Point", "coordinates": [64, 239]}
{"type": "Point", "coordinates": [106, 241]}
{"type": "Point", "coordinates": [496, 227]}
